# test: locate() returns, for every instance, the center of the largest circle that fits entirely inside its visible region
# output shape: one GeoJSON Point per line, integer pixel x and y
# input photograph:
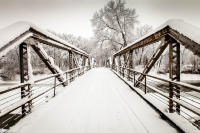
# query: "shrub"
{"type": "Point", "coordinates": [9, 72]}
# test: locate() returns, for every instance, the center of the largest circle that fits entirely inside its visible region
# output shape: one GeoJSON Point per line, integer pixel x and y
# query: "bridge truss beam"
{"type": "Point", "coordinates": [25, 72]}
{"type": "Point", "coordinates": [30, 38]}
{"type": "Point", "coordinates": [125, 66]}
{"type": "Point", "coordinates": [174, 73]}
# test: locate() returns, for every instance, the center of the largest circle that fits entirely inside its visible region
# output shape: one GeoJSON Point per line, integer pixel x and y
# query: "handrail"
{"type": "Point", "coordinates": [191, 108]}
{"type": "Point", "coordinates": [26, 35]}
{"type": "Point", "coordinates": [23, 101]}
{"type": "Point", "coordinates": [36, 81]}
{"type": "Point", "coordinates": [14, 87]}
{"type": "Point", "coordinates": [181, 84]}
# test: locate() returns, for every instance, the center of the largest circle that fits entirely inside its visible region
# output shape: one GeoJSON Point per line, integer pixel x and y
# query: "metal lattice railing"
{"type": "Point", "coordinates": [42, 90]}
{"type": "Point", "coordinates": [189, 101]}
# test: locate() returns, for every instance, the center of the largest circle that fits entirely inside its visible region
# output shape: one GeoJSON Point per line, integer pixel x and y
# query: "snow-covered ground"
{"type": "Point", "coordinates": [97, 102]}
{"type": "Point", "coordinates": [161, 103]}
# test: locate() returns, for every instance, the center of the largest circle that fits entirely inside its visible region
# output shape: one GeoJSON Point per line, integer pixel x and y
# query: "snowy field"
{"type": "Point", "coordinates": [97, 102]}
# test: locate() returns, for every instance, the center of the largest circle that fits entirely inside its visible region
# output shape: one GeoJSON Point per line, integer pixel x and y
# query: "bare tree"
{"type": "Point", "coordinates": [114, 23]}
{"type": "Point", "coordinates": [140, 32]}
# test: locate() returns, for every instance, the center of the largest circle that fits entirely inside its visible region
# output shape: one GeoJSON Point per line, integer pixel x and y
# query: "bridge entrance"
{"type": "Point", "coordinates": [100, 100]}
{"type": "Point", "coordinates": [96, 102]}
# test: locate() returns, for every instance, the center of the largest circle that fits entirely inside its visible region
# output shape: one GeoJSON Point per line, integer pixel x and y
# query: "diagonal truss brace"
{"type": "Point", "coordinates": [154, 58]}
{"type": "Point", "coordinates": [48, 63]}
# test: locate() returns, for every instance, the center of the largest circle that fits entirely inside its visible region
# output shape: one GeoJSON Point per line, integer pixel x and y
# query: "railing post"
{"type": "Point", "coordinates": [119, 70]}
{"type": "Point", "coordinates": [70, 65]}
{"type": "Point", "coordinates": [124, 66]}
{"type": "Point", "coordinates": [130, 64]}
{"type": "Point", "coordinates": [89, 67]}
{"type": "Point", "coordinates": [122, 71]}
{"type": "Point", "coordinates": [75, 74]}
{"type": "Point", "coordinates": [79, 69]}
{"type": "Point", "coordinates": [134, 77]}
{"type": "Point", "coordinates": [113, 63]}
{"type": "Point", "coordinates": [128, 72]}
{"type": "Point", "coordinates": [145, 84]}
{"type": "Point", "coordinates": [119, 62]}
{"type": "Point", "coordinates": [66, 79]}
{"type": "Point", "coordinates": [54, 89]}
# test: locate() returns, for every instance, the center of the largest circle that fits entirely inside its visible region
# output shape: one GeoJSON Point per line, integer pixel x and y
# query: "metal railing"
{"type": "Point", "coordinates": [188, 100]}
{"type": "Point", "coordinates": [42, 90]}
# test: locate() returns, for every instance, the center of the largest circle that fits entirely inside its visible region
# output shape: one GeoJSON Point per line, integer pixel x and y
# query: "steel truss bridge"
{"type": "Point", "coordinates": [18, 103]}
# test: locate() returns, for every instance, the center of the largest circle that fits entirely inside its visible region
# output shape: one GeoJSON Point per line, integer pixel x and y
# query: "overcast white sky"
{"type": "Point", "coordinates": [73, 16]}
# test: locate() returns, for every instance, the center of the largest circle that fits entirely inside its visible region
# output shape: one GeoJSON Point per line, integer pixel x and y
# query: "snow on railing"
{"type": "Point", "coordinates": [185, 33]}
{"type": "Point", "coordinates": [190, 106]}
{"type": "Point", "coordinates": [61, 74]}
{"type": "Point", "coordinates": [17, 101]}
{"type": "Point", "coordinates": [17, 33]}
{"type": "Point", "coordinates": [11, 101]}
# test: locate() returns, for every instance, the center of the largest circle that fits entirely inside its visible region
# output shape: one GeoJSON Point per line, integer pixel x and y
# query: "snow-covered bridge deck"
{"type": "Point", "coordinates": [96, 102]}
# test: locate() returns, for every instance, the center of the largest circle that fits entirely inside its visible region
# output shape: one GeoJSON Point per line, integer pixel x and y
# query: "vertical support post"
{"type": "Point", "coordinates": [174, 73]}
{"type": "Point", "coordinates": [84, 61]}
{"type": "Point", "coordinates": [113, 63]}
{"type": "Point", "coordinates": [89, 63]}
{"type": "Point", "coordinates": [66, 83]}
{"type": "Point", "coordinates": [79, 69]}
{"type": "Point", "coordinates": [134, 78]}
{"type": "Point", "coordinates": [130, 64]}
{"type": "Point", "coordinates": [119, 62]}
{"type": "Point", "coordinates": [25, 72]}
{"type": "Point", "coordinates": [171, 91]}
{"type": "Point", "coordinates": [70, 65]}
{"type": "Point", "coordinates": [109, 65]}
{"type": "Point", "coordinates": [54, 89]}
{"type": "Point", "coordinates": [73, 66]}
{"type": "Point", "coordinates": [145, 84]}
{"type": "Point", "coordinates": [123, 67]}
{"type": "Point", "coordinates": [178, 73]}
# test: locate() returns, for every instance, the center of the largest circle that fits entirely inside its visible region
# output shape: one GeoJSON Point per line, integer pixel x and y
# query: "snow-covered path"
{"type": "Point", "coordinates": [97, 102]}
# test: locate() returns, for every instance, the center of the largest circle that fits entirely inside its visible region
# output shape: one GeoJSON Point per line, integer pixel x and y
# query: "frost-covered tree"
{"type": "Point", "coordinates": [143, 52]}
{"type": "Point", "coordinates": [114, 23]}
{"type": "Point", "coordinates": [84, 44]}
